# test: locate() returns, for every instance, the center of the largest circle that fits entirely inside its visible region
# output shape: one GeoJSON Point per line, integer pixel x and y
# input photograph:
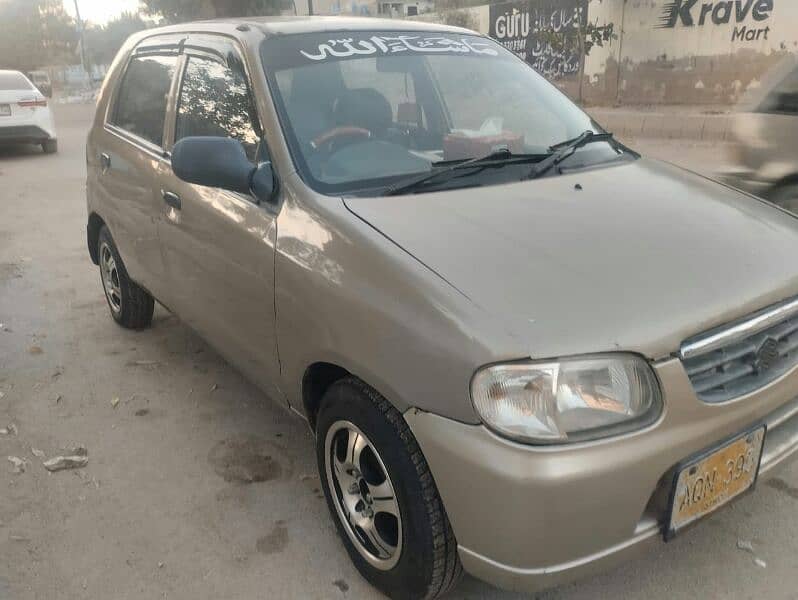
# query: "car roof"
{"type": "Point", "coordinates": [270, 26]}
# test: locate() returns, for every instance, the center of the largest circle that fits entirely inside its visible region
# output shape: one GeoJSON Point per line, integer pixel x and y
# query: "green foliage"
{"type": "Point", "coordinates": [102, 43]}
{"type": "Point", "coordinates": [582, 39]}
{"type": "Point", "coordinates": [459, 18]}
{"type": "Point", "coordinates": [177, 11]}
{"type": "Point", "coordinates": [586, 38]}
{"type": "Point", "coordinates": [35, 33]}
{"type": "Point", "coordinates": [445, 5]}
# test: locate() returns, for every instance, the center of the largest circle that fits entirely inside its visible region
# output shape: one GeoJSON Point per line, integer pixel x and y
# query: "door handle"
{"type": "Point", "coordinates": [171, 199]}
{"type": "Point", "coordinates": [105, 162]}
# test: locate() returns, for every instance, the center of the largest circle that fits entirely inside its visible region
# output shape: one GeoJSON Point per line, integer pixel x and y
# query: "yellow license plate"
{"type": "Point", "coordinates": [713, 479]}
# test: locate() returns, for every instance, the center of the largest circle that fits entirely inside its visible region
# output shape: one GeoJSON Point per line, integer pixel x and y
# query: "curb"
{"type": "Point", "coordinates": [665, 126]}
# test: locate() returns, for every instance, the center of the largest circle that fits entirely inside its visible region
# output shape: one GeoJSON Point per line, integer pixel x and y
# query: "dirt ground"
{"type": "Point", "coordinates": [197, 486]}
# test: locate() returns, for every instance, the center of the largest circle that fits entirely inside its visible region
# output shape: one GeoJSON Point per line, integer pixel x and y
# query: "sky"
{"type": "Point", "coordinates": [101, 11]}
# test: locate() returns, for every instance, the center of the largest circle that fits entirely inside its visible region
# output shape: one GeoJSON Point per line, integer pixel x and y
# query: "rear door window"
{"type": "Point", "coordinates": [215, 101]}
{"type": "Point", "coordinates": [143, 95]}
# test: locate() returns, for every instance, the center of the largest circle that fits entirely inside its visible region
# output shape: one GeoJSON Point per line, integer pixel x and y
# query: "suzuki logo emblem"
{"type": "Point", "coordinates": [766, 355]}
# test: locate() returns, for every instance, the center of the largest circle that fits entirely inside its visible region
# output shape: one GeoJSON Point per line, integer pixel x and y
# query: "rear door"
{"type": "Point", "coordinates": [129, 154]}
{"type": "Point", "coordinates": [218, 246]}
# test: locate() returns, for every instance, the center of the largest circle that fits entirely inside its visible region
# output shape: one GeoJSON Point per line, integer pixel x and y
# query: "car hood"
{"type": "Point", "coordinates": [635, 257]}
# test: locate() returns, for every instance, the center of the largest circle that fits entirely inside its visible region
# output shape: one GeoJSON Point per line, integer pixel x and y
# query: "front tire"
{"type": "Point", "coordinates": [50, 146]}
{"type": "Point", "coordinates": [130, 305]}
{"type": "Point", "coordinates": [382, 496]}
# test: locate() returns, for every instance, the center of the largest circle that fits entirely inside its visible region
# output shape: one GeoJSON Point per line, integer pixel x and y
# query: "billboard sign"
{"type": "Point", "coordinates": [527, 27]}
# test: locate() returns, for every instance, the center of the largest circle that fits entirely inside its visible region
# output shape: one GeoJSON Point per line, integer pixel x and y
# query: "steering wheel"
{"type": "Point", "coordinates": [331, 139]}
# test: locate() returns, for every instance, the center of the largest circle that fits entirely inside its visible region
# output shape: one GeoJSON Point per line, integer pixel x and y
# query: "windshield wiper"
{"type": "Point", "coordinates": [498, 156]}
{"type": "Point", "coordinates": [561, 151]}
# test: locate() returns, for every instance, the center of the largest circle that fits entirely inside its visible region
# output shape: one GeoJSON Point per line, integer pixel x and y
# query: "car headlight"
{"type": "Point", "coordinates": [569, 400]}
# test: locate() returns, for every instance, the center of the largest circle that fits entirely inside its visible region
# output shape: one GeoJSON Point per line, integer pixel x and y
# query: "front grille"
{"type": "Point", "coordinates": [754, 353]}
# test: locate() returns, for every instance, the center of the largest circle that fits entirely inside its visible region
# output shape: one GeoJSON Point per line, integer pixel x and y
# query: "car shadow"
{"type": "Point", "coordinates": [19, 151]}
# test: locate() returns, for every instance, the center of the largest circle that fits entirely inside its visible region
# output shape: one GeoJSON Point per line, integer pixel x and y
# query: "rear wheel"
{"type": "Point", "coordinates": [787, 198]}
{"type": "Point", "coordinates": [382, 496]}
{"type": "Point", "coordinates": [50, 146]}
{"type": "Point", "coordinates": [130, 305]}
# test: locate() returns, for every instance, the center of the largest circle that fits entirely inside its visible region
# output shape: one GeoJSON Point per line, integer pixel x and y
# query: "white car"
{"type": "Point", "coordinates": [25, 116]}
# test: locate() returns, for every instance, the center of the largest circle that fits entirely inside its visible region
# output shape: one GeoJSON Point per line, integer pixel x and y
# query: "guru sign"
{"type": "Point", "coordinates": [740, 13]}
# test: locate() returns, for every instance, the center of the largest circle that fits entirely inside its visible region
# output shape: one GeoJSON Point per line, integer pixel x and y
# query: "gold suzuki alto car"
{"type": "Point", "coordinates": [525, 351]}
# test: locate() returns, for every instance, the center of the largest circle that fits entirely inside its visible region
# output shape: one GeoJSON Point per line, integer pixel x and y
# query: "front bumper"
{"type": "Point", "coordinates": [527, 518]}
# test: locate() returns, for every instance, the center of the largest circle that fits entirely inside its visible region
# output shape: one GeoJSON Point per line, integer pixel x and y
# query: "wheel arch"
{"type": "Point", "coordinates": [316, 380]}
{"type": "Point", "coordinates": [321, 374]}
{"type": "Point", "coordinates": [93, 226]}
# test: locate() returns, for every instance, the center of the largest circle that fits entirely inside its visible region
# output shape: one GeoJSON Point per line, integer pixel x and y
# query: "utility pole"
{"type": "Point", "coordinates": [620, 56]}
{"type": "Point", "coordinates": [82, 41]}
{"type": "Point", "coordinates": [310, 6]}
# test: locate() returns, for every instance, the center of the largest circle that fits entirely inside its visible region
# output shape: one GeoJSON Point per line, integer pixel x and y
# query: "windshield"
{"type": "Point", "coordinates": [363, 110]}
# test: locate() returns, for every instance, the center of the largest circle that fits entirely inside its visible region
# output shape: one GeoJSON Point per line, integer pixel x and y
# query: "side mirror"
{"type": "Point", "coordinates": [262, 182]}
{"type": "Point", "coordinates": [222, 163]}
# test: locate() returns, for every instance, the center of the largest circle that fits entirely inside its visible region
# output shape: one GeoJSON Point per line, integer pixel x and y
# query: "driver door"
{"type": "Point", "coordinates": [218, 246]}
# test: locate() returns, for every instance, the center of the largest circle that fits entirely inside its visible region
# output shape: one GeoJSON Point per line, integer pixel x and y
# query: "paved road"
{"type": "Point", "coordinates": [161, 510]}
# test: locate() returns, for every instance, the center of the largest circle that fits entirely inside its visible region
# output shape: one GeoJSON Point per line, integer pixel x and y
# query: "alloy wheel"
{"type": "Point", "coordinates": [363, 494]}
{"type": "Point", "coordinates": [110, 278]}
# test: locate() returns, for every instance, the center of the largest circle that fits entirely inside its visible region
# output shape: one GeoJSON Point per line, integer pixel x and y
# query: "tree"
{"type": "Point", "coordinates": [459, 18]}
{"type": "Point", "coordinates": [441, 6]}
{"type": "Point", "coordinates": [102, 43]}
{"type": "Point", "coordinates": [35, 33]}
{"type": "Point", "coordinates": [177, 11]}
{"type": "Point", "coordinates": [582, 38]}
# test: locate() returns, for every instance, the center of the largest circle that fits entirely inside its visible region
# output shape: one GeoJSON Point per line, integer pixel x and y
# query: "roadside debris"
{"type": "Point", "coordinates": [19, 463]}
{"type": "Point", "coordinates": [37, 453]}
{"type": "Point", "coordinates": [2, 394]}
{"type": "Point", "coordinates": [9, 429]}
{"type": "Point", "coordinates": [35, 350]}
{"type": "Point", "coordinates": [341, 585]}
{"type": "Point", "coordinates": [58, 398]}
{"type": "Point", "coordinates": [144, 363]}
{"type": "Point", "coordinates": [745, 545]}
{"type": "Point", "coordinates": [115, 401]}
{"type": "Point", "coordinates": [76, 458]}
{"type": "Point", "coordinates": [760, 563]}
{"type": "Point", "coordinates": [60, 463]}
{"type": "Point", "coordinates": [214, 387]}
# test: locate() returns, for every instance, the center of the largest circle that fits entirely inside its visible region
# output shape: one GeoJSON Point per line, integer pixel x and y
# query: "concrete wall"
{"type": "Point", "coordinates": [364, 8]}
{"type": "Point", "coordinates": [668, 51]}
